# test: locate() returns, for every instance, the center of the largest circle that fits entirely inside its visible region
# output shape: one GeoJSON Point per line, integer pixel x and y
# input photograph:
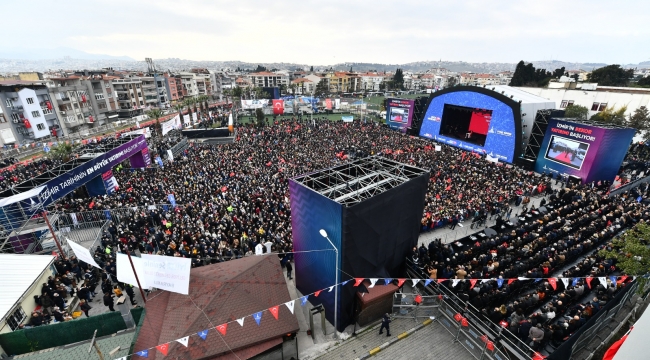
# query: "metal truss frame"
{"type": "Point", "coordinates": [359, 180]}
{"type": "Point", "coordinates": [84, 156]}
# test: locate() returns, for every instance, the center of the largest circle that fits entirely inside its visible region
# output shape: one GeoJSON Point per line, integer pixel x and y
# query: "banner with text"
{"type": "Point", "coordinates": [167, 272]}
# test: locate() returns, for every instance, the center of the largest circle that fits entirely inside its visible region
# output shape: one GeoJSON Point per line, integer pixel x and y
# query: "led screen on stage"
{"type": "Point", "coordinates": [399, 113]}
{"type": "Point", "coordinates": [448, 120]}
{"type": "Point", "coordinates": [588, 151]}
{"type": "Point", "coordinates": [567, 152]}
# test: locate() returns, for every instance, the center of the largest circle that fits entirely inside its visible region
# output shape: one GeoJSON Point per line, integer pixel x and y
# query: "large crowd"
{"type": "Point", "coordinates": [235, 196]}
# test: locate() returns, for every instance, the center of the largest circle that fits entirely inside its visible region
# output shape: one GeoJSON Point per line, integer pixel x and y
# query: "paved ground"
{"type": "Point", "coordinates": [430, 342]}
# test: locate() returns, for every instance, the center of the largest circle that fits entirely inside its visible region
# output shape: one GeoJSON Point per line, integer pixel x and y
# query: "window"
{"type": "Point", "coordinates": [563, 104]}
{"type": "Point", "coordinates": [30, 100]}
{"type": "Point", "coordinates": [594, 106]}
{"type": "Point", "coordinates": [602, 106]}
{"type": "Point", "coordinates": [9, 103]}
{"type": "Point", "coordinates": [36, 113]}
{"type": "Point", "coordinates": [99, 96]}
{"type": "Point", "coordinates": [40, 126]}
{"type": "Point", "coordinates": [570, 103]}
{"type": "Point", "coordinates": [16, 318]}
{"type": "Point", "coordinates": [15, 118]}
{"type": "Point", "coordinates": [2, 118]}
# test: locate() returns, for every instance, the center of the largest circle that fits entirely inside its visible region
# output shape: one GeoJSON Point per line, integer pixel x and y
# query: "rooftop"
{"type": "Point", "coordinates": [20, 273]}
{"type": "Point", "coordinates": [79, 351]}
{"type": "Point", "coordinates": [360, 179]}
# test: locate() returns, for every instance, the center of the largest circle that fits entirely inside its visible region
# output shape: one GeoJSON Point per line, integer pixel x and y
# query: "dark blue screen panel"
{"type": "Point", "coordinates": [316, 270]}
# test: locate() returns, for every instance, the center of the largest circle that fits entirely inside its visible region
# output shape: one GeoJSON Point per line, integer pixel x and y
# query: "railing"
{"type": "Point", "coordinates": [476, 318]}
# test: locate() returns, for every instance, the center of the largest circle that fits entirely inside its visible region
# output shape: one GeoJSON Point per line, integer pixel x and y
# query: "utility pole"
{"type": "Point", "coordinates": [93, 344]}
{"type": "Point", "coordinates": [56, 241]}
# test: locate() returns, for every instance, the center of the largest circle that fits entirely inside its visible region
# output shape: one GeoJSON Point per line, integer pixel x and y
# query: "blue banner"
{"type": "Point", "coordinates": [172, 200]}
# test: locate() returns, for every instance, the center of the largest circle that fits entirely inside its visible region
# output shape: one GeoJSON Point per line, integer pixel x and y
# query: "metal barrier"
{"type": "Point", "coordinates": [406, 306]}
{"type": "Point", "coordinates": [602, 320]}
{"type": "Point", "coordinates": [629, 186]}
{"type": "Point", "coordinates": [503, 337]}
{"type": "Point", "coordinates": [180, 147]}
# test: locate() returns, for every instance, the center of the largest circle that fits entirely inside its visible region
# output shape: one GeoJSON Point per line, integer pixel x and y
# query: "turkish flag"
{"type": "Point", "coordinates": [27, 124]}
{"type": "Point", "coordinates": [49, 105]}
{"type": "Point", "coordinates": [611, 352]}
{"type": "Point", "coordinates": [164, 348]}
{"type": "Point", "coordinates": [328, 104]}
{"type": "Point", "coordinates": [222, 329]}
{"type": "Point", "coordinates": [278, 107]}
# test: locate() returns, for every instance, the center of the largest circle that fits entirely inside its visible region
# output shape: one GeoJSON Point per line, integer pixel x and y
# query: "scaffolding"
{"type": "Point", "coordinates": [359, 180]}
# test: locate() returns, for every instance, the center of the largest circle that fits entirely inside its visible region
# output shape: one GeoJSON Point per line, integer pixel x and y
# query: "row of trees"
{"type": "Point", "coordinates": [639, 120]}
{"type": "Point", "coordinates": [527, 75]}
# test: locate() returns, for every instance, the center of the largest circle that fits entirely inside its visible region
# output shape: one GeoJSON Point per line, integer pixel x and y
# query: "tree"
{"type": "Point", "coordinates": [259, 115]}
{"type": "Point", "coordinates": [398, 79]}
{"type": "Point", "coordinates": [62, 151]}
{"type": "Point", "coordinates": [156, 113]}
{"type": "Point", "coordinates": [631, 252]}
{"type": "Point", "coordinates": [611, 75]}
{"type": "Point", "coordinates": [188, 102]}
{"type": "Point", "coordinates": [576, 112]}
{"type": "Point", "coordinates": [645, 81]}
{"type": "Point", "coordinates": [227, 93]}
{"type": "Point", "coordinates": [260, 68]}
{"type": "Point", "coordinates": [640, 120]}
{"type": "Point", "coordinates": [527, 75]}
{"type": "Point", "coordinates": [179, 108]}
{"type": "Point", "coordinates": [321, 88]}
{"type": "Point", "coordinates": [451, 81]}
{"type": "Point", "coordinates": [611, 116]}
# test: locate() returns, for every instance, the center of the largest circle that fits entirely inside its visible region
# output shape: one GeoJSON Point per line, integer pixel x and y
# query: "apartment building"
{"type": "Point", "coordinates": [130, 96]}
{"type": "Point", "coordinates": [220, 81]}
{"type": "Point", "coordinates": [71, 100]}
{"type": "Point", "coordinates": [268, 79]}
{"type": "Point", "coordinates": [188, 81]}
{"type": "Point", "coordinates": [479, 79]}
{"type": "Point", "coordinates": [174, 88]}
{"type": "Point", "coordinates": [302, 86]}
{"type": "Point", "coordinates": [26, 112]}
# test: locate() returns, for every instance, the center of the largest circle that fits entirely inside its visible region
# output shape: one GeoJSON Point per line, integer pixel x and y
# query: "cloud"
{"type": "Point", "coordinates": [317, 32]}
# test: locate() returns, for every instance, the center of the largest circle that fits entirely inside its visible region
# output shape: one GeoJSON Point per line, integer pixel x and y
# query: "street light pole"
{"type": "Point", "coordinates": [336, 289]}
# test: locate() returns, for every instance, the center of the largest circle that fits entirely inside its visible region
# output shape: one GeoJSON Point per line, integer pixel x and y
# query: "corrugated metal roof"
{"type": "Point", "coordinates": [18, 274]}
{"type": "Point", "coordinates": [79, 351]}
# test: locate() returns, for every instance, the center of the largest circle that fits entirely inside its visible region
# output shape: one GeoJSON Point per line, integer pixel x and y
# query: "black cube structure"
{"type": "Point", "coordinates": [371, 210]}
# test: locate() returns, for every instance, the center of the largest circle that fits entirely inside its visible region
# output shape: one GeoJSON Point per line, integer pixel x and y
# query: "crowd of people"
{"type": "Point", "coordinates": [233, 197]}
{"type": "Point", "coordinates": [562, 242]}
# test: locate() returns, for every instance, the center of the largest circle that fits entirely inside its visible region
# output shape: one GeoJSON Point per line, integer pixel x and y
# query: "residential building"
{"type": "Point", "coordinates": [302, 86]}
{"type": "Point", "coordinates": [479, 79]}
{"type": "Point", "coordinates": [190, 88]}
{"type": "Point", "coordinates": [221, 81]}
{"type": "Point", "coordinates": [596, 100]}
{"type": "Point", "coordinates": [23, 76]}
{"type": "Point", "coordinates": [268, 79]}
{"type": "Point", "coordinates": [174, 88]}
{"type": "Point", "coordinates": [27, 112]}
{"type": "Point", "coordinates": [150, 92]}
{"type": "Point", "coordinates": [505, 77]}
{"type": "Point", "coordinates": [28, 273]}
{"type": "Point", "coordinates": [102, 95]}
{"type": "Point", "coordinates": [130, 97]}
{"type": "Point", "coordinates": [370, 81]}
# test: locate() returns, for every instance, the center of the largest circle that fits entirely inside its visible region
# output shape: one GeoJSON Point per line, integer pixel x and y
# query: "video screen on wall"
{"type": "Point", "coordinates": [465, 123]}
{"type": "Point", "coordinates": [400, 115]}
{"type": "Point", "coordinates": [566, 151]}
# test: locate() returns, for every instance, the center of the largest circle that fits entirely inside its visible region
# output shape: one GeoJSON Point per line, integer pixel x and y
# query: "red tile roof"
{"type": "Point", "coordinates": [225, 292]}
{"type": "Point", "coordinates": [376, 292]}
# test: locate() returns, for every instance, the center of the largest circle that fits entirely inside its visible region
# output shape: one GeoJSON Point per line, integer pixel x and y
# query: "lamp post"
{"type": "Point", "coordinates": [336, 289]}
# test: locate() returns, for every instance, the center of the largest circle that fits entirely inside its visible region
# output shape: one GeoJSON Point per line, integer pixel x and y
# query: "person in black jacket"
{"type": "Point", "coordinates": [85, 307]}
{"type": "Point", "coordinates": [385, 323]}
{"type": "Point", "coordinates": [108, 301]}
{"type": "Point", "coordinates": [289, 269]}
{"type": "Point", "coordinates": [129, 291]}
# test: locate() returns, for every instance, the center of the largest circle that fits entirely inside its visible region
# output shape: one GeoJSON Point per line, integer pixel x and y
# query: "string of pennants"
{"type": "Point", "coordinates": [275, 310]}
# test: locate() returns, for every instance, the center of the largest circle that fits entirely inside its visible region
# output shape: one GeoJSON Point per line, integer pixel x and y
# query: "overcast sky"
{"type": "Point", "coordinates": [334, 31]}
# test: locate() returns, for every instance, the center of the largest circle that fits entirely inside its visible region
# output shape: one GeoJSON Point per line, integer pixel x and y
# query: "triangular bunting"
{"type": "Point", "coordinates": [521, 278]}
{"type": "Point", "coordinates": [240, 321]}
{"type": "Point", "coordinates": [553, 283]}
{"type": "Point", "coordinates": [575, 281]}
{"type": "Point", "coordinates": [510, 281]}
{"type": "Point", "coordinates": [588, 280]}
{"type": "Point", "coordinates": [317, 293]}
{"type": "Point", "coordinates": [415, 281]}
{"type": "Point", "coordinates": [258, 317]}
{"type": "Point", "coordinates": [427, 282]}
{"type": "Point", "coordinates": [454, 282]}
{"type": "Point", "coordinates": [372, 283]}
{"type": "Point", "coordinates": [472, 283]}
{"type": "Point", "coordinates": [485, 280]}
{"type": "Point", "coordinates": [275, 310]}
{"type": "Point", "coordinates": [345, 282]}
{"type": "Point", "coordinates": [303, 300]}
{"type": "Point", "coordinates": [222, 328]}
{"type": "Point", "coordinates": [565, 281]}
{"type": "Point", "coordinates": [164, 348]}
{"type": "Point", "coordinates": [387, 281]}
{"type": "Point", "coordinates": [612, 279]}
{"type": "Point", "coordinates": [440, 281]}
{"type": "Point", "coordinates": [400, 282]}
{"type": "Point", "coordinates": [143, 353]}
{"type": "Point", "coordinates": [183, 341]}
{"type": "Point", "coordinates": [203, 334]}
{"type": "Point", "coordinates": [603, 281]}
{"type": "Point", "coordinates": [499, 283]}
{"type": "Point", "coordinates": [289, 305]}
{"type": "Point", "coordinates": [538, 279]}
{"type": "Point", "coordinates": [331, 287]}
